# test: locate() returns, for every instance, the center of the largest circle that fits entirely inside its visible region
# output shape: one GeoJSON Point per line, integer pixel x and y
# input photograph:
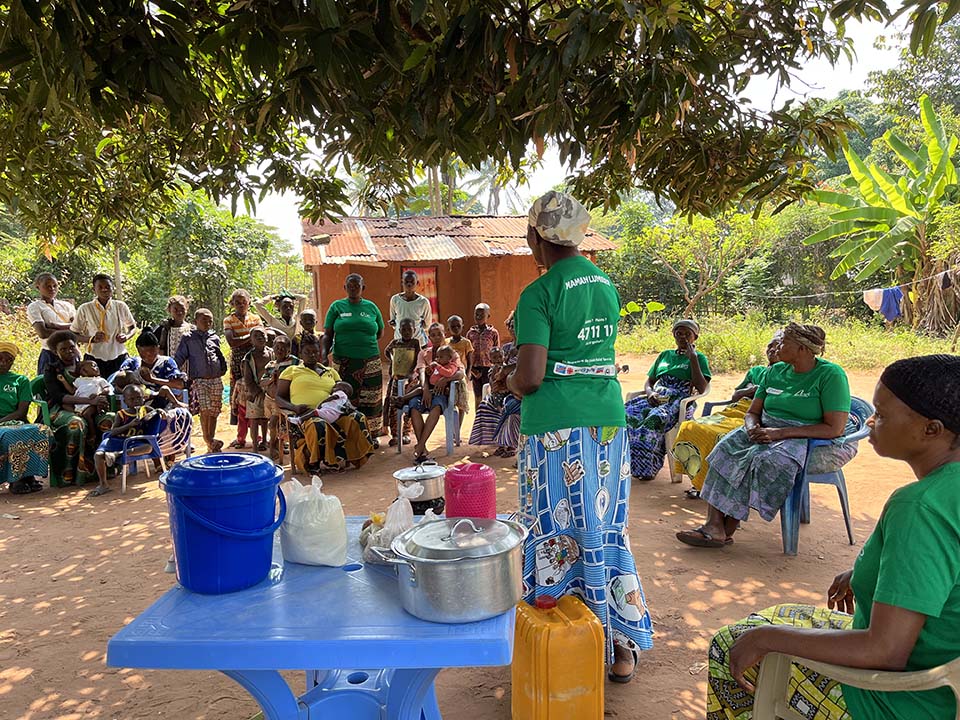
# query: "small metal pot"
{"type": "Point", "coordinates": [460, 570]}
{"type": "Point", "coordinates": [428, 474]}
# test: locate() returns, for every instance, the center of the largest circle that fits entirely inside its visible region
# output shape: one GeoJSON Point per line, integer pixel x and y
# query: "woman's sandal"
{"type": "Point", "coordinates": [20, 487]}
{"type": "Point", "coordinates": [692, 494]}
{"type": "Point", "coordinates": [625, 678]}
{"type": "Point", "coordinates": [217, 446]}
{"type": "Point", "coordinates": [237, 444]}
{"type": "Point", "coordinates": [98, 491]}
{"type": "Point", "coordinates": [698, 537]}
{"type": "Point", "coordinates": [393, 442]}
{"type": "Point", "coordinates": [421, 458]}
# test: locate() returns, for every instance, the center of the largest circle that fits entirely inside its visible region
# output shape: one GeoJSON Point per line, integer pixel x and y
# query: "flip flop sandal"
{"type": "Point", "coordinates": [422, 458]}
{"type": "Point", "coordinates": [698, 537]}
{"type": "Point", "coordinates": [392, 442]}
{"type": "Point", "coordinates": [508, 453]}
{"type": "Point", "coordinates": [692, 494]}
{"type": "Point", "coordinates": [217, 446]}
{"type": "Point", "coordinates": [98, 491]}
{"type": "Point", "coordinates": [238, 445]}
{"type": "Point", "coordinates": [626, 678]}
{"type": "Point", "coordinates": [407, 440]}
{"type": "Point", "coordinates": [20, 487]}
{"type": "Point", "coordinates": [261, 447]}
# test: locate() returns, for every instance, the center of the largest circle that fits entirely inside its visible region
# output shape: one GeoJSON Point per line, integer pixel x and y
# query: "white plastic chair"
{"type": "Point", "coordinates": [671, 435]}
{"type": "Point", "coordinates": [451, 416]}
{"type": "Point", "coordinates": [771, 702]}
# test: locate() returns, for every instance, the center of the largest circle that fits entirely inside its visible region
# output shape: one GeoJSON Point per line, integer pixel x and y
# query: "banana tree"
{"type": "Point", "coordinates": [885, 222]}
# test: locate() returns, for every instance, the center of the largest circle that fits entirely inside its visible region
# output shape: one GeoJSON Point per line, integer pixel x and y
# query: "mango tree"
{"type": "Point", "coordinates": [888, 222]}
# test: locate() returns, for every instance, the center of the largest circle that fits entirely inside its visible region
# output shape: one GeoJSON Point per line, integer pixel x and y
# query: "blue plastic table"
{"type": "Point", "coordinates": [343, 620]}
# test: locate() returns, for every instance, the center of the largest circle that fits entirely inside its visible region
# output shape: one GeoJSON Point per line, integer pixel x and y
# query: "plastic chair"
{"type": "Point", "coordinates": [770, 700]}
{"type": "Point", "coordinates": [38, 390]}
{"type": "Point", "coordinates": [670, 438]}
{"type": "Point", "coordinates": [796, 508]}
{"type": "Point", "coordinates": [451, 416]}
{"type": "Point", "coordinates": [137, 441]}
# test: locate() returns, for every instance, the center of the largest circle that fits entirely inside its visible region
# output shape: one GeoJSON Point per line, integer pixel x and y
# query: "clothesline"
{"type": "Point", "coordinates": [848, 292]}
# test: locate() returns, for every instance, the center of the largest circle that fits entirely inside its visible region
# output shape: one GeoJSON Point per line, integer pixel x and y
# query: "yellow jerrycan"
{"type": "Point", "coordinates": [558, 661]}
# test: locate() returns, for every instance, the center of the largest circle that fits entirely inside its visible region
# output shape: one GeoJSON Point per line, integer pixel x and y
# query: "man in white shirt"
{"type": "Point", "coordinates": [106, 325]}
{"type": "Point", "coordinates": [48, 315]}
{"type": "Point", "coordinates": [413, 305]}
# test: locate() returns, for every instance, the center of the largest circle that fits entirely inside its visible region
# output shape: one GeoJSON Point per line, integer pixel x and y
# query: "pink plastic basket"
{"type": "Point", "coordinates": [470, 491]}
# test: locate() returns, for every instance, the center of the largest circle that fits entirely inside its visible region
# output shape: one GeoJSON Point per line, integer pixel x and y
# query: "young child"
{"type": "Point", "coordinates": [88, 383]}
{"type": "Point", "coordinates": [331, 409]}
{"type": "Point", "coordinates": [175, 327]}
{"type": "Point", "coordinates": [444, 364]}
{"type": "Point", "coordinates": [464, 349]}
{"type": "Point", "coordinates": [308, 325]}
{"type": "Point", "coordinates": [483, 337]}
{"type": "Point", "coordinates": [282, 359]}
{"type": "Point", "coordinates": [134, 419]}
{"type": "Point", "coordinates": [236, 329]}
{"type": "Point", "coordinates": [254, 364]}
{"type": "Point", "coordinates": [200, 352]}
{"type": "Point", "coordinates": [401, 355]}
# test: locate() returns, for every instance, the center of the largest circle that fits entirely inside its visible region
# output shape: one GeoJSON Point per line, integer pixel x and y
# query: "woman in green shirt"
{"type": "Point", "coordinates": [901, 602]}
{"type": "Point", "coordinates": [23, 447]}
{"type": "Point", "coordinates": [801, 397]}
{"type": "Point", "coordinates": [573, 463]}
{"type": "Point", "coordinates": [674, 375]}
{"type": "Point", "coordinates": [350, 334]}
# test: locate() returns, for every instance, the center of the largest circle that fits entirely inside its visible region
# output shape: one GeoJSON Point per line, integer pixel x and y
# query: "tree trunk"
{"type": "Point", "coordinates": [117, 285]}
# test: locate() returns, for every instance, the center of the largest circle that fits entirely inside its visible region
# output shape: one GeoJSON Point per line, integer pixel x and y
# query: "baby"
{"type": "Point", "coordinates": [88, 383]}
{"type": "Point", "coordinates": [337, 405]}
{"type": "Point", "coordinates": [444, 366]}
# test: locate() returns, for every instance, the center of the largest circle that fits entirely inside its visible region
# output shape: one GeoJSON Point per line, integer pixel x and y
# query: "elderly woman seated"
{"type": "Point", "coordinates": [901, 602]}
{"type": "Point", "coordinates": [674, 375]}
{"type": "Point", "coordinates": [301, 389]}
{"type": "Point", "coordinates": [801, 397]}
{"type": "Point", "coordinates": [697, 438]}
{"type": "Point", "coordinates": [23, 447]}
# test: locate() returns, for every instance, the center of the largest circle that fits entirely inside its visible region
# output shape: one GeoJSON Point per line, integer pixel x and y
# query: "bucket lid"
{"type": "Point", "coordinates": [423, 471]}
{"type": "Point", "coordinates": [221, 474]}
{"type": "Point", "coordinates": [456, 538]}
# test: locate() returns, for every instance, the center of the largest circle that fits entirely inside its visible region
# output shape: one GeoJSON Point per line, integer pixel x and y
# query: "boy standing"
{"type": "Point", "coordinates": [200, 351]}
{"type": "Point", "coordinates": [411, 304]}
{"type": "Point", "coordinates": [105, 324]}
{"type": "Point", "coordinates": [484, 338]}
{"type": "Point", "coordinates": [236, 329]}
{"type": "Point", "coordinates": [254, 364]}
{"type": "Point", "coordinates": [464, 349]}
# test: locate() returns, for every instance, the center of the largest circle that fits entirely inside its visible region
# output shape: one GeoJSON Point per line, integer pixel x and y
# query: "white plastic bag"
{"type": "Point", "coordinates": [314, 531]}
{"type": "Point", "coordinates": [399, 518]}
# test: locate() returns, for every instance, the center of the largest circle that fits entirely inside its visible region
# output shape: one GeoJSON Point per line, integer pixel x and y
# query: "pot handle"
{"type": "Point", "coordinates": [458, 523]}
{"type": "Point", "coordinates": [390, 559]}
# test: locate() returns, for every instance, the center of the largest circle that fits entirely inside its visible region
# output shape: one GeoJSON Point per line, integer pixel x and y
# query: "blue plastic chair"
{"type": "Point", "coordinates": [138, 441]}
{"type": "Point", "coordinates": [796, 509]}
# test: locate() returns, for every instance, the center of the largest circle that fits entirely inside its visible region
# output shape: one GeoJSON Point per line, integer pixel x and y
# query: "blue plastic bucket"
{"type": "Point", "coordinates": [222, 509]}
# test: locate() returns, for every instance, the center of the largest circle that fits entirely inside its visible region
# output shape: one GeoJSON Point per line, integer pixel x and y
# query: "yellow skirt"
{"type": "Point", "coordinates": [697, 438]}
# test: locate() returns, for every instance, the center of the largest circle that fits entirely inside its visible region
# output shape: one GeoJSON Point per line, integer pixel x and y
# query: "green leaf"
{"type": "Point", "coordinates": [103, 144]}
{"type": "Point", "coordinates": [326, 12]}
{"type": "Point", "coordinates": [416, 57]}
{"type": "Point", "coordinates": [633, 307]}
{"type": "Point", "coordinates": [417, 10]}
{"type": "Point", "coordinates": [654, 306]}
{"type": "Point", "coordinates": [895, 195]}
{"type": "Point", "coordinates": [868, 187]}
{"type": "Point", "coordinates": [916, 162]}
{"type": "Point", "coordinates": [829, 197]}
{"type": "Point", "coordinates": [831, 231]}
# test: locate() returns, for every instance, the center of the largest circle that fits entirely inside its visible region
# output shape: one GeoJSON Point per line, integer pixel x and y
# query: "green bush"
{"type": "Point", "coordinates": [735, 344]}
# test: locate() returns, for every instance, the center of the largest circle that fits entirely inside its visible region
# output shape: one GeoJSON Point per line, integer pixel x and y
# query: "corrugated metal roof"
{"type": "Point", "coordinates": [409, 239]}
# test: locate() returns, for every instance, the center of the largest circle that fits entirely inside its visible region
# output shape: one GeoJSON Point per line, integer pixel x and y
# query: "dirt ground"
{"type": "Point", "coordinates": [74, 571]}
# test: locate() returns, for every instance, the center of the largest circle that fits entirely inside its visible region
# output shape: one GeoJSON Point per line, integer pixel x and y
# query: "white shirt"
{"type": "Point", "coordinates": [277, 322]}
{"type": "Point", "coordinates": [113, 319]}
{"type": "Point", "coordinates": [60, 312]}
{"type": "Point", "coordinates": [417, 310]}
{"type": "Point", "coordinates": [87, 386]}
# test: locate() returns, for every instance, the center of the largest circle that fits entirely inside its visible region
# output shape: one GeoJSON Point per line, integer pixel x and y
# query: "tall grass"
{"type": "Point", "coordinates": [736, 343]}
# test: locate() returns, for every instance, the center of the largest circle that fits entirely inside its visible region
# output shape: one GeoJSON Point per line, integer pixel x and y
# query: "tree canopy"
{"type": "Point", "coordinates": [244, 97]}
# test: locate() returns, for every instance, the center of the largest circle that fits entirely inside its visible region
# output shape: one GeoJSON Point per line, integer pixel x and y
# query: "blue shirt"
{"type": "Point", "coordinates": [164, 368]}
{"type": "Point", "coordinates": [201, 351]}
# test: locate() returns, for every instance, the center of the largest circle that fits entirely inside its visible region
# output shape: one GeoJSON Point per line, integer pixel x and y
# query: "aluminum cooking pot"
{"type": "Point", "coordinates": [457, 570]}
{"type": "Point", "coordinates": [428, 474]}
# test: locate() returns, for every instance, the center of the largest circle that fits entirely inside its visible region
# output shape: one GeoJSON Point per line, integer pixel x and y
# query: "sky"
{"type": "Point", "coordinates": [817, 79]}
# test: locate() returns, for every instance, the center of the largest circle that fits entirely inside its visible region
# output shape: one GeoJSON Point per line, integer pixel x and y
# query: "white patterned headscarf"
{"type": "Point", "coordinates": [559, 219]}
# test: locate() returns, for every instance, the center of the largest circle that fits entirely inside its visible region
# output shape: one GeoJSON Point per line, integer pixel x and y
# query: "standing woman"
{"type": "Point", "coordinates": [48, 314]}
{"type": "Point", "coordinates": [351, 331]}
{"type": "Point", "coordinates": [574, 464]}
{"type": "Point", "coordinates": [105, 324]}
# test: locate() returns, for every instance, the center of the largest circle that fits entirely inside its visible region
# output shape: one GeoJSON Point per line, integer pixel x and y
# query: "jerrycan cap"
{"type": "Point", "coordinates": [545, 602]}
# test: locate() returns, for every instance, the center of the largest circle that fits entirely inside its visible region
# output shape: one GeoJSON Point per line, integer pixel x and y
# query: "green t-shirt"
{"type": "Point", "coordinates": [753, 377]}
{"type": "Point", "coordinates": [912, 561]}
{"type": "Point", "coordinates": [14, 389]}
{"type": "Point", "coordinates": [677, 364]}
{"type": "Point", "coordinates": [572, 310]}
{"type": "Point", "coordinates": [355, 327]}
{"type": "Point", "coordinates": [804, 397]}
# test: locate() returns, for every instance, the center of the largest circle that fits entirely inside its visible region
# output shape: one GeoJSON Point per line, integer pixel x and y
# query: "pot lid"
{"type": "Point", "coordinates": [423, 471]}
{"type": "Point", "coordinates": [457, 538]}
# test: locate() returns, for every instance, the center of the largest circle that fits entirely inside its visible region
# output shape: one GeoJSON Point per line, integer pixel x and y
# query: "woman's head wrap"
{"type": "Point", "coordinates": [929, 385]}
{"type": "Point", "coordinates": [811, 337]}
{"type": "Point", "coordinates": [559, 218]}
{"type": "Point", "coordinates": [9, 347]}
{"type": "Point", "coordinates": [691, 325]}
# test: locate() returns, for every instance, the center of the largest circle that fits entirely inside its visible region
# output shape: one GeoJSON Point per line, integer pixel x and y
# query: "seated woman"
{"type": "Point", "coordinates": [432, 396]}
{"type": "Point", "coordinates": [23, 447]}
{"type": "Point", "coordinates": [801, 397]}
{"type": "Point", "coordinates": [75, 439]}
{"type": "Point", "coordinates": [904, 589]}
{"type": "Point", "coordinates": [674, 375]}
{"type": "Point", "coordinates": [300, 390]}
{"type": "Point", "coordinates": [697, 438]}
{"type": "Point", "coordinates": [498, 419]}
